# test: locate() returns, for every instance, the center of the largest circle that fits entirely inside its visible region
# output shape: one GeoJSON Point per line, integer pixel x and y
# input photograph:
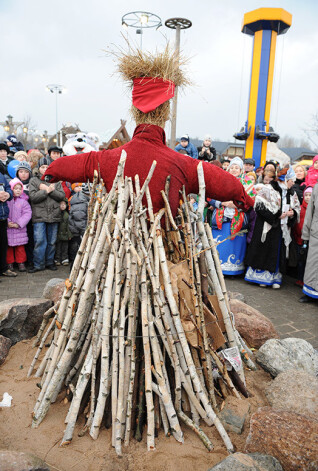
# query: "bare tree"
{"type": "Point", "coordinates": [290, 141]}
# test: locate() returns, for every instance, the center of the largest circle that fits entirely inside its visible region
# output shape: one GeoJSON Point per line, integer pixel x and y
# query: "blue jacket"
{"type": "Point", "coordinates": [4, 210]}
{"type": "Point", "coordinates": [191, 150]}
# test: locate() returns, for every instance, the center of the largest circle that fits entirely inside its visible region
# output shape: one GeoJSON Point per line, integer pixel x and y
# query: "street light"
{"type": "Point", "coordinates": [58, 90]}
{"type": "Point", "coordinates": [177, 24]}
{"type": "Point", "coordinates": [11, 126]}
{"type": "Point", "coordinates": [141, 20]}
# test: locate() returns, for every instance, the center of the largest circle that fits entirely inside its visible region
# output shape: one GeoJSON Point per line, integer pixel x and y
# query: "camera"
{"type": "Point", "coordinates": [2, 187]}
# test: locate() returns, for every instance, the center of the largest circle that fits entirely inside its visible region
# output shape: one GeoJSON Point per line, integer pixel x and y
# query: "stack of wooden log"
{"type": "Point", "coordinates": [136, 339]}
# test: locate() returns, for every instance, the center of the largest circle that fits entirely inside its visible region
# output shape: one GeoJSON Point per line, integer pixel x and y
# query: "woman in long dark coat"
{"type": "Point", "coordinates": [277, 209]}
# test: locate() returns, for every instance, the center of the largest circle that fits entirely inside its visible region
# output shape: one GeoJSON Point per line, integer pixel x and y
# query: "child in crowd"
{"type": "Point", "coordinates": [45, 200]}
{"type": "Point", "coordinates": [63, 236]}
{"type": "Point", "coordinates": [312, 174]}
{"type": "Point", "coordinates": [78, 218]}
{"type": "Point", "coordinates": [19, 215]}
{"type": "Point", "coordinates": [33, 157]}
{"type": "Point", "coordinates": [301, 251]}
{"type": "Point", "coordinates": [24, 174]}
{"type": "Point", "coordinates": [4, 157]}
{"type": "Point", "coordinates": [21, 156]}
{"type": "Point", "coordinates": [5, 196]}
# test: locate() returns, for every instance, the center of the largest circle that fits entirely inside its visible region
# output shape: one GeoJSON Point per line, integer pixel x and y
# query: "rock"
{"type": "Point", "coordinates": [253, 326]}
{"type": "Point", "coordinates": [295, 391]}
{"type": "Point", "coordinates": [5, 345]}
{"type": "Point", "coordinates": [248, 462]}
{"type": "Point", "coordinates": [236, 295]}
{"type": "Point", "coordinates": [53, 289]}
{"type": "Point", "coordinates": [234, 414]}
{"type": "Point", "coordinates": [18, 461]}
{"type": "Point", "coordinates": [21, 318]}
{"type": "Point", "coordinates": [276, 356]}
{"type": "Point", "coordinates": [291, 438]}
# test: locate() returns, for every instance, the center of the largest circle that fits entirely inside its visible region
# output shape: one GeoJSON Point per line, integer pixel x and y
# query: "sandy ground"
{"type": "Point", "coordinates": [85, 454]}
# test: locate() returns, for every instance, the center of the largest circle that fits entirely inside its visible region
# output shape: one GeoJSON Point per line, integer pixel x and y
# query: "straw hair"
{"type": "Point", "coordinates": [165, 65]}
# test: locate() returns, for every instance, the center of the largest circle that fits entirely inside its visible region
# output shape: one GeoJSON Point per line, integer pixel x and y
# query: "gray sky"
{"type": "Point", "coordinates": [64, 41]}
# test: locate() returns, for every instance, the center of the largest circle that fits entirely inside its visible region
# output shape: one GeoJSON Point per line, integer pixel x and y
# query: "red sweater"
{"type": "Point", "coordinates": [299, 226]}
{"type": "Point", "coordinates": [149, 144]}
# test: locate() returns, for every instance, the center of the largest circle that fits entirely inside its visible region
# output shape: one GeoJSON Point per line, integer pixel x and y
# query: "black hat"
{"type": "Point", "coordinates": [4, 146]}
{"type": "Point", "coordinates": [249, 161]}
{"type": "Point", "coordinates": [55, 149]}
{"type": "Point", "coordinates": [43, 161]}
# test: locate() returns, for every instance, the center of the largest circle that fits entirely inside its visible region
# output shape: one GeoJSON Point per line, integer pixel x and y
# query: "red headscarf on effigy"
{"type": "Point", "coordinates": [150, 92]}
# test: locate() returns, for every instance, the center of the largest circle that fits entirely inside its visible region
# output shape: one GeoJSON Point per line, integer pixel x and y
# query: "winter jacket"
{"type": "Point", "coordinates": [299, 187]}
{"type": "Point", "coordinates": [191, 150]}
{"type": "Point", "coordinates": [205, 156]}
{"type": "Point", "coordinates": [311, 177]}
{"type": "Point", "coordinates": [19, 212]}
{"type": "Point", "coordinates": [45, 206]}
{"type": "Point", "coordinates": [64, 232]}
{"type": "Point", "coordinates": [6, 163]}
{"type": "Point", "coordinates": [4, 209]}
{"type": "Point", "coordinates": [310, 232]}
{"type": "Point", "coordinates": [78, 214]}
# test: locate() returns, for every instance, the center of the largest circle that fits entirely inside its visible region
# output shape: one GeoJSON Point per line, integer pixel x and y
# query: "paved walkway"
{"type": "Point", "coordinates": [291, 318]}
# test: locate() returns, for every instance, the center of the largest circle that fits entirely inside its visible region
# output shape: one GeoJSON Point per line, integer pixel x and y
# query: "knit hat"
{"type": "Point", "coordinates": [207, 137]}
{"type": "Point", "coordinates": [185, 137]}
{"type": "Point", "coordinates": [14, 182]}
{"type": "Point", "coordinates": [315, 159]}
{"type": "Point", "coordinates": [20, 153]}
{"type": "Point", "coordinates": [74, 185]}
{"type": "Point", "coordinates": [4, 146]}
{"type": "Point", "coordinates": [308, 189]}
{"type": "Point", "coordinates": [236, 161]}
{"type": "Point", "coordinates": [85, 189]}
{"type": "Point", "coordinates": [43, 161]}
{"type": "Point", "coordinates": [24, 165]}
{"type": "Point", "coordinates": [12, 138]}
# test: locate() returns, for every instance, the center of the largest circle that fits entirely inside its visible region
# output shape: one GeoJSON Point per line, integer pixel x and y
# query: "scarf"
{"type": "Point", "coordinates": [236, 221]}
{"type": "Point", "coordinates": [295, 205]}
{"type": "Point", "coordinates": [270, 199]}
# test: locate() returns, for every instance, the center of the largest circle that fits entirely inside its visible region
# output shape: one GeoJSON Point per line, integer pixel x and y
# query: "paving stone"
{"type": "Point", "coordinates": [286, 328]}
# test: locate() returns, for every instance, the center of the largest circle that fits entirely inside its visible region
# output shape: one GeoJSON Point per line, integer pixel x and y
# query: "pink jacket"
{"type": "Point", "coordinates": [19, 212]}
{"type": "Point", "coordinates": [312, 174]}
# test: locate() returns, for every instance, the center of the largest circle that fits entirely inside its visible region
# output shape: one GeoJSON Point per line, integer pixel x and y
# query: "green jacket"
{"type": "Point", "coordinates": [45, 206]}
{"type": "Point", "coordinates": [64, 232]}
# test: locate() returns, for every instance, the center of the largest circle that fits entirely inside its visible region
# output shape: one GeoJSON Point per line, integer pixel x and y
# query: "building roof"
{"type": "Point", "coordinates": [296, 153]}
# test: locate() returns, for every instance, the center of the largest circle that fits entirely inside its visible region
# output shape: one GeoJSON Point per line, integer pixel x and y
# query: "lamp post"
{"type": "Point", "coordinates": [11, 126]}
{"type": "Point", "coordinates": [141, 20]}
{"type": "Point", "coordinates": [177, 24]}
{"type": "Point", "coordinates": [58, 90]}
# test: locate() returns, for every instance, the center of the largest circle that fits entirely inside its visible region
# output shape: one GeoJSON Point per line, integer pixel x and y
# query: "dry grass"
{"type": "Point", "coordinates": [135, 63]}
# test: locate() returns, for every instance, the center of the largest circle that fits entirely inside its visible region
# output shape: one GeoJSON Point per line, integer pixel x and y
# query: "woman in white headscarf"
{"type": "Point", "coordinates": [277, 208]}
{"type": "Point", "coordinates": [227, 221]}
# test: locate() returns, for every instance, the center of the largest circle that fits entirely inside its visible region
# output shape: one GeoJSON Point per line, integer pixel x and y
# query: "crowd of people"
{"type": "Point", "coordinates": [42, 223]}
{"type": "Point", "coordinates": [281, 231]}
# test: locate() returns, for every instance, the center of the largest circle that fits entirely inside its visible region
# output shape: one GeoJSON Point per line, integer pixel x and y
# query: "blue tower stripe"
{"type": "Point", "coordinates": [262, 91]}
